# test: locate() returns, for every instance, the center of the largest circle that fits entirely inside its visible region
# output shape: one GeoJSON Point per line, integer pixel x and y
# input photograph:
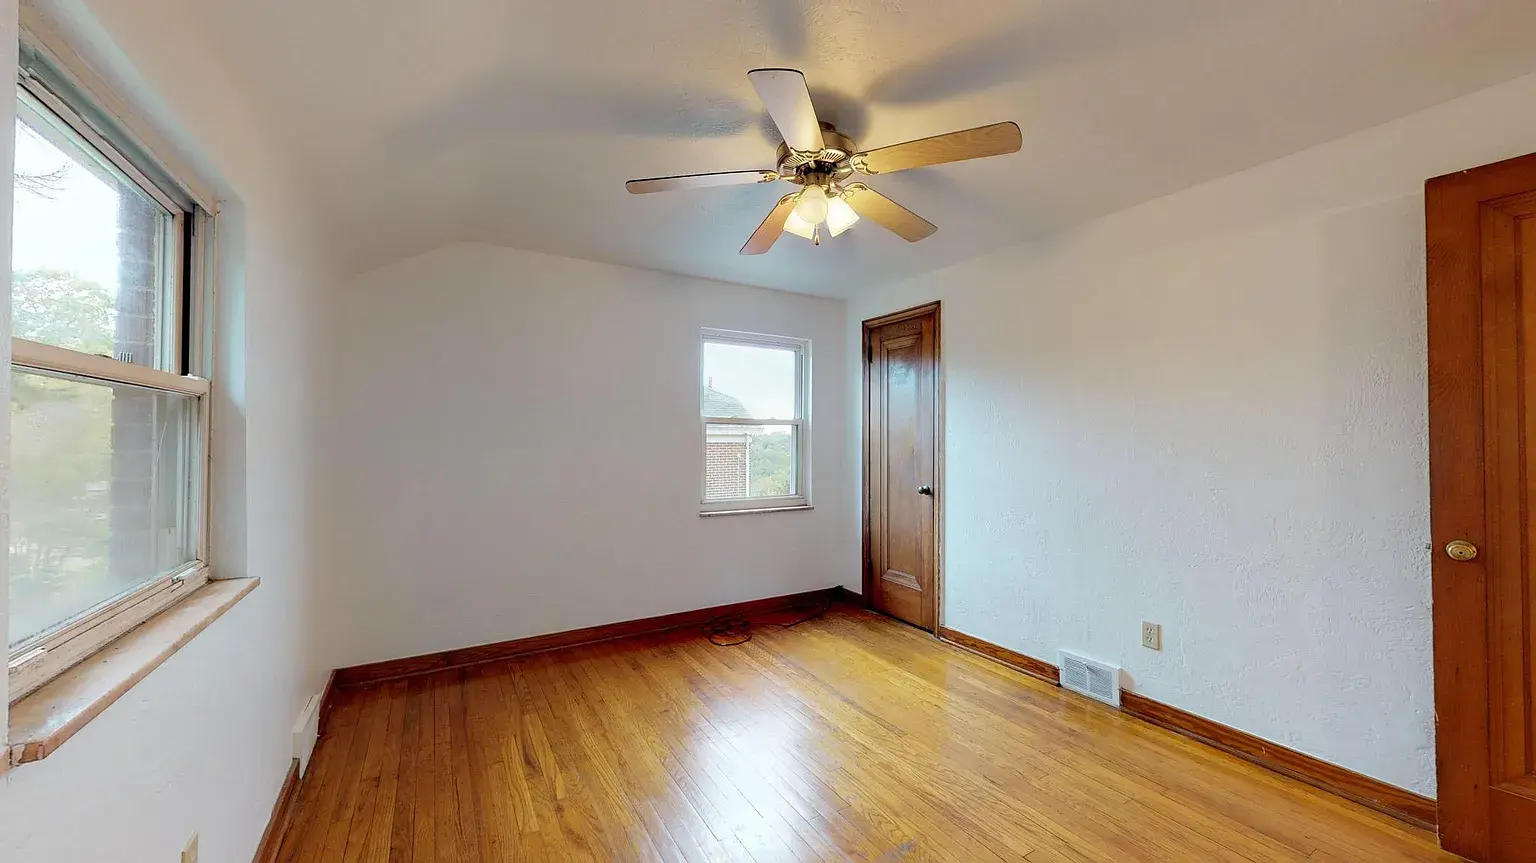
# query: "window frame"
{"type": "Point", "coordinates": [186, 350]}
{"type": "Point", "coordinates": [801, 422]}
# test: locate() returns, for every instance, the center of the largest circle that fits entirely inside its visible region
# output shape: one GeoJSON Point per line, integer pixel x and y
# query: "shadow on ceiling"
{"type": "Point", "coordinates": [1057, 33]}
{"type": "Point", "coordinates": [509, 104]}
{"type": "Point", "coordinates": [1060, 33]}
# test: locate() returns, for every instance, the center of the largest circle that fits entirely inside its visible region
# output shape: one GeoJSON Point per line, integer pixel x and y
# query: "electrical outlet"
{"type": "Point", "coordinates": [1152, 635]}
{"type": "Point", "coordinates": [189, 853]}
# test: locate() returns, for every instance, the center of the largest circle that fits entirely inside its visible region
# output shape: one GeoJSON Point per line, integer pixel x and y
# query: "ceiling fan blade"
{"type": "Point", "coordinates": [772, 227]}
{"type": "Point", "coordinates": [699, 181]}
{"type": "Point", "coordinates": [788, 101]}
{"type": "Point", "coordinates": [888, 214]}
{"type": "Point", "coordinates": [994, 140]}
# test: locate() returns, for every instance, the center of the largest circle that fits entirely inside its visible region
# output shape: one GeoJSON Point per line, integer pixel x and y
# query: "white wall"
{"type": "Point", "coordinates": [523, 452]}
{"type": "Point", "coordinates": [1209, 411]}
{"type": "Point", "coordinates": [202, 744]}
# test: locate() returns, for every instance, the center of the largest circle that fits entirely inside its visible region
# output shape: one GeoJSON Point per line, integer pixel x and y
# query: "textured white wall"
{"type": "Point", "coordinates": [202, 744]}
{"type": "Point", "coordinates": [1209, 412]}
{"type": "Point", "coordinates": [522, 452]}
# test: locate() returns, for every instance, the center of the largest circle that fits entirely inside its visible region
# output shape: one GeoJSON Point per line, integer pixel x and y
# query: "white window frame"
{"type": "Point", "coordinates": [801, 423]}
{"type": "Point", "coordinates": [187, 318]}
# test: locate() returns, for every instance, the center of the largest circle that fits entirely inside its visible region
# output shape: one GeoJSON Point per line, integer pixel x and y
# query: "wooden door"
{"type": "Point", "coordinates": [1482, 464]}
{"type": "Point", "coordinates": [901, 421]}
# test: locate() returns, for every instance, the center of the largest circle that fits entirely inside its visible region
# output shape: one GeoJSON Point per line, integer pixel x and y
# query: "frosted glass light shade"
{"type": "Point", "coordinates": [812, 206]}
{"type": "Point", "coordinates": [840, 217]}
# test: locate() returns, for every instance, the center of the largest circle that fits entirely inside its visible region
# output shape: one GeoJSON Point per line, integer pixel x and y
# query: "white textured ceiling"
{"type": "Point", "coordinates": [422, 123]}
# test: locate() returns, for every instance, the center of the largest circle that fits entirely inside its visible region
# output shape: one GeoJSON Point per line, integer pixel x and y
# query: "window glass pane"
{"type": "Point", "coordinates": [748, 381]}
{"type": "Point", "coordinates": [89, 265]}
{"type": "Point", "coordinates": [742, 461]}
{"type": "Point", "coordinates": [100, 494]}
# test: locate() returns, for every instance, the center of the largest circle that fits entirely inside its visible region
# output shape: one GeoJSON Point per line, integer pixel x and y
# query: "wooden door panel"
{"type": "Point", "coordinates": [1503, 444]}
{"type": "Point", "coordinates": [901, 388]}
{"type": "Point", "coordinates": [901, 365]}
{"type": "Point", "coordinates": [1512, 602]}
{"type": "Point", "coordinates": [1513, 829]}
{"type": "Point", "coordinates": [1482, 400]}
{"type": "Point", "coordinates": [1509, 310]}
{"type": "Point", "coordinates": [1513, 631]}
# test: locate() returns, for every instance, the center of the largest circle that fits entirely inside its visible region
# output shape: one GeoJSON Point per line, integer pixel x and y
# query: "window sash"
{"type": "Point", "coordinates": [47, 61]}
{"type": "Point", "coordinates": [173, 335]}
{"type": "Point", "coordinates": [38, 660]}
{"type": "Point", "coordinates": [731, 504]}
{"type": "Point", "coordinates": [799, 347]}
{"type": "Point", "coordinates": [100, 144]}
{"type": "Point", "coordinates": [48, 358]}
{"type": "Point", "coordinates": [34, 662]}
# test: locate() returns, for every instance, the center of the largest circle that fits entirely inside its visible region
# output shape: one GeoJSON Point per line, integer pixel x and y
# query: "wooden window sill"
{"type": "Point", "coordinates": [41, 721]}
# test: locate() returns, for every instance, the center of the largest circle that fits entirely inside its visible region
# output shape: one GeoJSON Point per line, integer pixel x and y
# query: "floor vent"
{"type": "Point", "coordinates": [1093, 679]}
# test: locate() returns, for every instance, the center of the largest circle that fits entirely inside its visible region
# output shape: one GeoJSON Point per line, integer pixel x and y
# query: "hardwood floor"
{"type": "Point", "coordinates": [850, 737]}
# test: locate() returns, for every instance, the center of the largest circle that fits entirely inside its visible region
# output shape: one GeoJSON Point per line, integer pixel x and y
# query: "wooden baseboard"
{"type": "Point", "coordinates": [1397, 802]}
{"type": "Point", "coordinates": [375, 672]}
{"type": "Point", "coordinates": [282, 817]}
{"type": "Point", "coordinates": [1017, 661]}
{"type": "Point", "coordinates": [1388, 799]}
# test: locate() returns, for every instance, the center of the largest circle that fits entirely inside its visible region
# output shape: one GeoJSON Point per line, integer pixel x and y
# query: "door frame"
{"type": "Point", "coordinates": [866, 350]}
{"type": "Point", "coordinates": [1459, 441]}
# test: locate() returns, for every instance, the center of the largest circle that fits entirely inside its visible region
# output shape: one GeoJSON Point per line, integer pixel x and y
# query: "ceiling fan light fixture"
{"type": "Point", "coordinates": [840, 217]}
{"type": "Point", "coordinates": [812, 205]}
{"type": "Point", "coordinates": [798, 226]}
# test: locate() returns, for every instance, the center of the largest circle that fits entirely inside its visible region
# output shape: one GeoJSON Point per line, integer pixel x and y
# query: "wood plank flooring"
{"type": "Point", "coordinates": [850, 737]}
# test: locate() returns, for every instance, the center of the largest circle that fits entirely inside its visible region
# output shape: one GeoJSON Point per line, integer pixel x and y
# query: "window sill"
{"type": "Point", "coordinates": [41, 721]}
{"type": "Point", "coordinates": [802, 507]}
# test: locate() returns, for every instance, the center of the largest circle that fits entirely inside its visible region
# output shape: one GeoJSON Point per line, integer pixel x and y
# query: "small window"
{"type": "Point", "coordinates": [755, 407]}
{"type": "Point", "coordinates": [109, 422]}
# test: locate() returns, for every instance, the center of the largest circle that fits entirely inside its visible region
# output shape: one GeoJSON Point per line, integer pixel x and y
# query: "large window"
{"type": "Point", "coordinates": [109, 421]}
{"type": "Point", "coordinates": [755, 407]}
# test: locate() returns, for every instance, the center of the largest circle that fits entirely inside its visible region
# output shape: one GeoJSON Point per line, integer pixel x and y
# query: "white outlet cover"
{"type": "Point", "coordinates": [1152, 635]}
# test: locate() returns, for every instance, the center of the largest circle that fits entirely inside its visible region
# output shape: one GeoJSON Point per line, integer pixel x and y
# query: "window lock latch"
{"type": "Point", "coordinates": [30, 656]}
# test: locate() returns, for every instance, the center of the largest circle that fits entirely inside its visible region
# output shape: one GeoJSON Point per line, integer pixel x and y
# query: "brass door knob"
{"type": "Point", "coordinates": [1460, 549]}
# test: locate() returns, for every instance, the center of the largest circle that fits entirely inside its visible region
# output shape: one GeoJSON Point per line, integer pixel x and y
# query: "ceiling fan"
{"type": "Point", "coordinates": [823, 160]}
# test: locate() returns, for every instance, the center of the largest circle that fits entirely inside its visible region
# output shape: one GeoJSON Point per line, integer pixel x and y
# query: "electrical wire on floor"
{"type": "Point", "coordinates": [729, 630]}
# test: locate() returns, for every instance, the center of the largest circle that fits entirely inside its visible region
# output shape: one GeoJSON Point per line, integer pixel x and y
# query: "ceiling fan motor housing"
{"type": "Point", "coordinates": [834, 162]}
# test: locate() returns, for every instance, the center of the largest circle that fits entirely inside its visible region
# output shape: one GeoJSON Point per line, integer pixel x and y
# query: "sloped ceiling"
{"type": "Point", "coordinates": [517, 123]}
